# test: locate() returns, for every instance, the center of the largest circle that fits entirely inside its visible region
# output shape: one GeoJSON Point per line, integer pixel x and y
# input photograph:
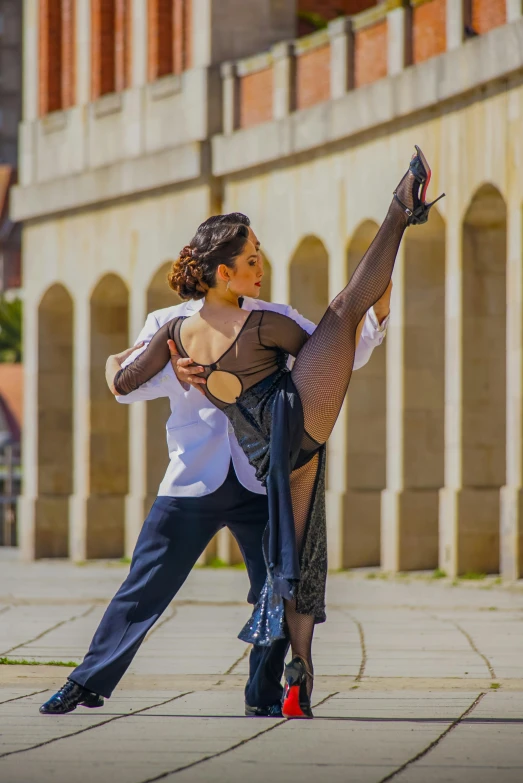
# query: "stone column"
{"type": "Point", "coordinates": [27, 502]}
{"type": "Point", "coordinates": [336, 495]}
{"type": "Point", "coordinates": [398, 22]}
{"type": "Point", "coordinates": [392, 545]}
{"type": "Point", "coordinates": [83, 51]}
{"type": "Point", "coordinates": [449, 495]}
{"type": "Point", "coordinates": [78, 509]}
{"type": "Point", "coordinates": [229, 74]}
{"type": "Point", "coordinates": [514, 10]}
{"type": "Point", "coordinates": [136, 501]}
{"type": "Point", "coordinates": [456, 20]}
{"type": "Point", "coordinates": [512, 494]}
{"type": "Point", "coordinates": [139, 43]}
{"type": "Point", "coordinates": [284, 96]}
{"type": "Point", "coordinates": [342, 56]}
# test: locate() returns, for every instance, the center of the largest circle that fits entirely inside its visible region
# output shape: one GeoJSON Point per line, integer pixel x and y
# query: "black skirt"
{"type": "Point", "coordinates": [268, 424]}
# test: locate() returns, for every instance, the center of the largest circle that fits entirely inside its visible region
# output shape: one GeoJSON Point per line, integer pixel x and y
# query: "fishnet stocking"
{"type": "Point", "coordinates": [333, 344]}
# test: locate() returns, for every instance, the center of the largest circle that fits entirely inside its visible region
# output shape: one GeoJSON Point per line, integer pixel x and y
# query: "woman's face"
{"type": "Point", "coordinates": [246, 277]}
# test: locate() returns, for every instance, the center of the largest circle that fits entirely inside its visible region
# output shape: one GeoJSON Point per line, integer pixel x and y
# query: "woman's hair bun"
{"type": "Point", "coordinates": [219, 240]}
{"type": "Point", "coordinates": [186, 276]}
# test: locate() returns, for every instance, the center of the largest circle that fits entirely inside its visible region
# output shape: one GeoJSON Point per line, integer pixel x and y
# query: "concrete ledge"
{"type": "Point", "coordinates": [119, 180]}
{"type": "Point", "coordinates": [479, 62]}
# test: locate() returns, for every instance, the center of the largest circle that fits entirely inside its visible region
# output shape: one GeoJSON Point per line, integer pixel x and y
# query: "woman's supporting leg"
{"type": "Point", "coordinates": [301, 626]}
{"type": "Point", "coordinates": [323, 368]}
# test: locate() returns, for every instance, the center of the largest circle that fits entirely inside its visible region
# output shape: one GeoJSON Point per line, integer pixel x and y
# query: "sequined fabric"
{"type": "Point", "coordinates": [268, 423]}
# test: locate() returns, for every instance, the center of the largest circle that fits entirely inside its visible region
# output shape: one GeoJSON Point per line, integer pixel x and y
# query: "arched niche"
{"type": "Point", "coordinates": [55, 422]}
{"type": "Point", "coordinates": [366, 440]}
{"type": "Point", "coordinates": [483, 415]}
{"type": "Point", "coordinates": [309, 278]}
{"type": "Point", "coordinates": [109, 435]}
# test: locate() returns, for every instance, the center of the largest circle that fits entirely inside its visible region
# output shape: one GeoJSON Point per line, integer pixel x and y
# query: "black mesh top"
{"type": "Point", "coordinates": [261, 347]}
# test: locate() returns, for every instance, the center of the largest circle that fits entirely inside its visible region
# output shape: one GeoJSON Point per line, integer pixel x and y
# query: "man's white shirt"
{"type": "Point", "coordinates": [200, 439]}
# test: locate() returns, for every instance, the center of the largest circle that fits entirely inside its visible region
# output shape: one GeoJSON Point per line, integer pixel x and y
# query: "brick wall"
{"type": "Point", "coordinates": [313, 71]}
{"type": "Point", "coordinates": [169, 37]}
{"type": "Point", "coordinates": [429, 36]}
{"type": "Point", "coordinates": [487, 14]}
{"type": "Point", "coordinates": [103, 51]}
{"type": "Point", "coordinates": [68, 75]}
{"type": "Point", "coordinates": [255, 98]}
{"type": "Point", "coordinates": [329, 9]}
{"type": "Point", "coordinates": [370, 54]}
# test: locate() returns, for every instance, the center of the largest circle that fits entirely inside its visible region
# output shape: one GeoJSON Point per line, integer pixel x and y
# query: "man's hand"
{"type": "Point", "coordinates": [185, 370]}
{"type": "Point", "coordinates": [382, 306]}
{"type": "Point", "coordinates": [114, 364]}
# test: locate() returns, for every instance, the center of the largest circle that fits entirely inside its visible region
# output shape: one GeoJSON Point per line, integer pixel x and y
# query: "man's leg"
{"type": "Point", "coordinates": [173, 537]}
{"type": "Point", "coordinates": [247, 522]}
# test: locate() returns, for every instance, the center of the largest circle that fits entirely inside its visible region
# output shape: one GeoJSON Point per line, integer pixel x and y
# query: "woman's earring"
{"type": "Point", "coordinates": [228, 285]}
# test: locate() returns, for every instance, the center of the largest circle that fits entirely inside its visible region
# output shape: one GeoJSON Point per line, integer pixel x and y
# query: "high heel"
{"type": "Point", "coordinates": [296, 701]}
{"type": "Point", "coordinates": [420, 170]}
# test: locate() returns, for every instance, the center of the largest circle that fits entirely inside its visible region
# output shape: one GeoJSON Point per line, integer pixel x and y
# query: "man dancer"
{"type": "Point", "coordinates": [209, 484]}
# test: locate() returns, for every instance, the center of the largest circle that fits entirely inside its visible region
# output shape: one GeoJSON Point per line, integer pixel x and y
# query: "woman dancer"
{"type": "Point", "coordinates": [281, 419]}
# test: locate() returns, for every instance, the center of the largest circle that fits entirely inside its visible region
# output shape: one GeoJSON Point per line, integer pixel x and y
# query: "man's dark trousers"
{"type": "Point", "coordinates": [173, 537]}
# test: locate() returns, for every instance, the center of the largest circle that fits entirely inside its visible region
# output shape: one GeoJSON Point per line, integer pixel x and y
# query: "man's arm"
{"type": "Point", "coordinates": [162, 385]}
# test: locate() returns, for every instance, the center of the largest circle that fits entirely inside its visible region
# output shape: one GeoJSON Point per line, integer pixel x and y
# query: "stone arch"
{"type": "Point", "coordinates": [109, 429]}
{"type": "Point", "coordinates": [366, 440]}
{"type": "Point", "coordinates": [483, 415]}
{"type": "Point", "coordinates": [55, 422]}
{"type": "Point", "coordinates": [159, 295]}
{"type": "Point", "coordinates": [423, 394]}
{"type": "Point", "coordinates": [309, 278]}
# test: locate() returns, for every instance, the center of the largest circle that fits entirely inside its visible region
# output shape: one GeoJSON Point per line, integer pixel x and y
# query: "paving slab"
{"type": "Point", "coordinates": [415, 679]}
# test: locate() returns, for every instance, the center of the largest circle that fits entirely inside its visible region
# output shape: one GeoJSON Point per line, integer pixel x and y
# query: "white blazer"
{"type": "Point", "coordinates": [200, 440]}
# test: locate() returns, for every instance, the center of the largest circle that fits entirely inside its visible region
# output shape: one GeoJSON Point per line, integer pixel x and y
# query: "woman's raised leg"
{"type": "Point", "coordinates": [333, 344]}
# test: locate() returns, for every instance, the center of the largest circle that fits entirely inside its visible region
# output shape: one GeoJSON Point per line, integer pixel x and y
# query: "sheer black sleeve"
{"type": "Point", "coordinates": [280, 331]}
{"type": "Point", "coordinates": [148, 363]}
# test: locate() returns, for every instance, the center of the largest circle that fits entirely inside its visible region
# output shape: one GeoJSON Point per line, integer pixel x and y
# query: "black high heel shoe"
{"type": "Point", "coordinates": [420, 170]}
{"type": "Point", "coordinates": [296, 701]}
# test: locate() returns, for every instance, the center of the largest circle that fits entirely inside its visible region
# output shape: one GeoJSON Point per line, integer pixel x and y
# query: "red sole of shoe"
{"type": "Point", "coordinates": [291, 704]}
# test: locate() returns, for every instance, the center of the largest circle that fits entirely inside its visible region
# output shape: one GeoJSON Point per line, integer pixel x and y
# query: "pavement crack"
{"type": "Point", "coordinates": [94, 726]}
{"type": "Point", "coordinates": [363, 646]}
{"type": "Point", "coordinates": [223, 752]}
{"type": "Point", "coordinates": [25, 696]}
{"type": "Point", "coordinates": [436, 742]}
{"type": "Point", "coordinates": [242, 657]}
{"type": "Point", "coordinates": [48, 630]}
{"type": "Point", "coordinates": [473, 645]}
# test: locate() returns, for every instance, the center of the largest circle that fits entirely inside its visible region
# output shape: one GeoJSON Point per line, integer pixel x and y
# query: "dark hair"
{"type": "Point", "coordinates": [219, 240]}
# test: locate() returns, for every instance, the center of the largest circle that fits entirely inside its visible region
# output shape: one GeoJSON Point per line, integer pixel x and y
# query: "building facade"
{"type": "Point", "coordinates": [133, 135]}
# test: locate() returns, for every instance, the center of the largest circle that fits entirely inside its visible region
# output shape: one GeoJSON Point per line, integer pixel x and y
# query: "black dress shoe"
{"type": "Point", "coordinates": [69, 697]}
{"type": "Point", "coordinates": [274, 711]}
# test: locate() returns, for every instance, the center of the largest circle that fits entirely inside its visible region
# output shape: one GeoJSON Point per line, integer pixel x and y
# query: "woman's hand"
{"type": "Point", "coordinates": [114, 364]}
{"type": "Point", "coordinates": [185, 370]}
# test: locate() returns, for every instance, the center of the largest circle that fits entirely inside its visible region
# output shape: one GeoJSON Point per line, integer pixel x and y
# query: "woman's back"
{"type": "Point", "coordinates": [235, 360]}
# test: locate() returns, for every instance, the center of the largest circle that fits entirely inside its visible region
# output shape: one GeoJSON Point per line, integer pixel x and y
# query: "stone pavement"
{"type": "Point", "coordinates": [417, 681]}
